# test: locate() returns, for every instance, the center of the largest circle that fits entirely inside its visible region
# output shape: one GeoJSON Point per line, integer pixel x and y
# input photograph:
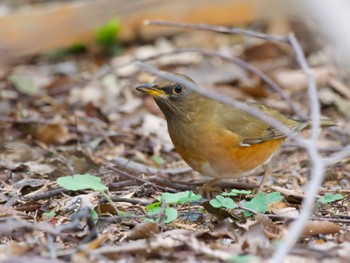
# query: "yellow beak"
{"type": "Point", "coordinates": [150, 89]}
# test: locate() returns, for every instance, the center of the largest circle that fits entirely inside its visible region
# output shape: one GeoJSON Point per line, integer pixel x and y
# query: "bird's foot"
{"type": "Point", "coordinates": [210, 189]}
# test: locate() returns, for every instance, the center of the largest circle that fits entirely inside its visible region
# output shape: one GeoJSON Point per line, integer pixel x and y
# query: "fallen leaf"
{"type": "Point", "coordinates": [313, 228]}
{"type": "Point", "coordinates": [340, 87]}
{"type": "Point", "coordinates": [263, 52]}
{"type": "Point", "coordinates": [287, 212]}
{"type": "Point", "coordinates": [295, 80]}
{"type": "Point", "coordinates": [329, 97]}
{"type": "Point", "coordinates": [157, 126]}
{"type": "Point", "coordinates": [39, 168]}
{"type": "Point", "coordinates": [30, 80]}
{"type": "Point", "coordinates": [52, 133]}
{"type": "Point", "coordinates": [224, 229]}
{"type": "Point", "coordinates": [143, 230]}
{"type": "Point", "coordinates": [254, 237]}
{"type": "Point", "coordinates": [270, 229]}
{"type": "Point", "coordinates": [10, 212]}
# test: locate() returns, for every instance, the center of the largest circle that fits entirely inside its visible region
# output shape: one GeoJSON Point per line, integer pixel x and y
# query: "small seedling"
{"type": "Point", "coordinates": [158, 160]}
{"type": "Point", "coordinates": [49, 214]}
{"type": "Point", "coordinates": [171, 199]}
{"type": "Point", "coordinates": [86, 181]}
{"type": "Point", "coordinates": [235, 192]}
{"type": "Point", "coordinates": [240, 259]}
{"type": "Point", "coordinates": [221, 201]}
{"type": "Point", "coordinates": [169, 213]}
{"type": "Point", "coordinates": [107, 36]}
{"type": "Point", "coordinates": [330, 198]}
{"type": "Point", "coordinates": [260, 203]}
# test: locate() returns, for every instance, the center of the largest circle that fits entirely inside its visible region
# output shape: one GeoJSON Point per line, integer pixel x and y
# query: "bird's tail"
{"type": "Point", "coordinates": [323, 123]}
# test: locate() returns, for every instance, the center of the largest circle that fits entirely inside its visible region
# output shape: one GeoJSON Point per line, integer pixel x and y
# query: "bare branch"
{"type": "Point", "coordinates": [237, 61]}
{"type": "Point", "coordinates": [217, 29]}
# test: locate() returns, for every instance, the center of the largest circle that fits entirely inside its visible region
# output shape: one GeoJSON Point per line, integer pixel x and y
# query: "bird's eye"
{"type": "Point", "coordinates": [177, 89]}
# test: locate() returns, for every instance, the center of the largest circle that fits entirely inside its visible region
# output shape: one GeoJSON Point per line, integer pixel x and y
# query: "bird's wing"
{"type": "Point", "coordinates": [252, 130]}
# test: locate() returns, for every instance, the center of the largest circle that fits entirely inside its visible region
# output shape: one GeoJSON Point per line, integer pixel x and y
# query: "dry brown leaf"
{"type": "Point", "coordinates": [52, 133]}
{"type": "Point", "coordinates": [295, 80]}
{"type": "Point", "coordinates": [291, 212]}
{"type": "Point", "coordinates": [30, 206]}
{"type": "Point", "coordinates": [340, 87]}
{"type": "Point", "coordinates": [313, 228]}
{"type": "Point", "coordinates": [157, 126]}
{"type": "Point", "coordinates": [283, 209]}
{"type": "Point", "coordinates": [263, 52]}
{"type": "Point", "coordinates": [224, 229]}
{"type": "Point", "coordinates": [270, 229]}
{"type": "Point", "coordinates": [329, 97]}
{"type": "Point", "coordinates": [344, 250]}
{"type": "Point", "coordinates": [9, 211]}
{"type": "Point", "coordinates": [254, 237]}
{"type": "Point", "coordinates": [16, 250]}
{"type": "Point", "coordinates": [143, 230]}
{"type": "Point", "coordinates": [277, 205]}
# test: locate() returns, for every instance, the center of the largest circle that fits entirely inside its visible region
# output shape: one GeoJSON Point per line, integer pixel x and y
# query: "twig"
{"type": "Point", "coordinates": [312, 88]}
{"type": "Point", "coordinates": [46, 195]}
{"type": "Point", "coordinates": [118, 185]}
{"type": "Point", "coordinates": [48, 122]}
{"type": "Point", "coordinates": [139, 179]}
{"type": "Point", "coordinates": [336, 157]}
{"type": "Point", "coordinates": [237, 61]}
{"type": "Point", "coordinates": [141, 168]}
{"type": "Point", "coordinates": [217, 29]}
{"type": "Point", "coordinates": [317, 164]}
{"type": "Point", "coordinates": [251, 68]}
{"type": "Point", "coordinates": [315, 218]}
{"type": "Point", "coordinates": [126, 200]}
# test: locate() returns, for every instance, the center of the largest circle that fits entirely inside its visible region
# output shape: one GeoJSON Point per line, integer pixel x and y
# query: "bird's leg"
{"type": "Point", "coordinates": [210, 188]}
{"type": "Point", "coordinates": [267, 172]}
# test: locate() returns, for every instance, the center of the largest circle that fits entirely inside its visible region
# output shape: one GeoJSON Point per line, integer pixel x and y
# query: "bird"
{"type": "Point", "coordinates": [214, 138]}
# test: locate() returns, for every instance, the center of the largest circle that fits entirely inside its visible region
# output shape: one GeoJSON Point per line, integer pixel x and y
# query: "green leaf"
{"type": "Point", "coordinates": [221, 201]}
{"type": "Point", "coordinates": [152, 206]}
{"type": "Point", "coordinates": [170, 198]}
{"type": "Point", "coordinates": [189, 198]}
{"type": "Point", "coordinates": [170, 214]}
{"type": "Point", "coordinates": [235, 192]}
{"type": "Point", "coordinates": [261, 202]}
{"type": "Point", "coordinates": [158, 160]}
{"type": "Point", "coordinates": [108, 33]}
{"type": "Point", "coordinates": [94, 216]}
{"type": "Point", "coordinates": [81, 182]}
{"type": "Point", "coordinates": [49, 214]}
{"type": "Point", "coordinates": [330, 198]}
{"type": "Point", "coordinates": [240, 259]}
{"type": "Point", "coordinates": [178, 198]}
{"type": "Point", "coordinates": [228, 203]}
{"type": "Point", "coordinates": [215, 203]}
{"type": "Point", "coordinates": [107, 36]}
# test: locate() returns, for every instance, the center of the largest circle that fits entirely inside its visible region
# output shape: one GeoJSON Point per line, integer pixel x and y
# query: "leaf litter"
{"type": "Point", "coordinates": [58, 126]}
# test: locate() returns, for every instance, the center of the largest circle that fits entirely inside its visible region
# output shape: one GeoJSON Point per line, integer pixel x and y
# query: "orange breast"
{"type": "Point", "coordinates": [218, 153]}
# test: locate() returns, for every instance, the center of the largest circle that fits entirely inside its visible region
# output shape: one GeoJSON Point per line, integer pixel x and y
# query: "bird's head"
{"type": "Point", "coordinates": [174, 98]}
